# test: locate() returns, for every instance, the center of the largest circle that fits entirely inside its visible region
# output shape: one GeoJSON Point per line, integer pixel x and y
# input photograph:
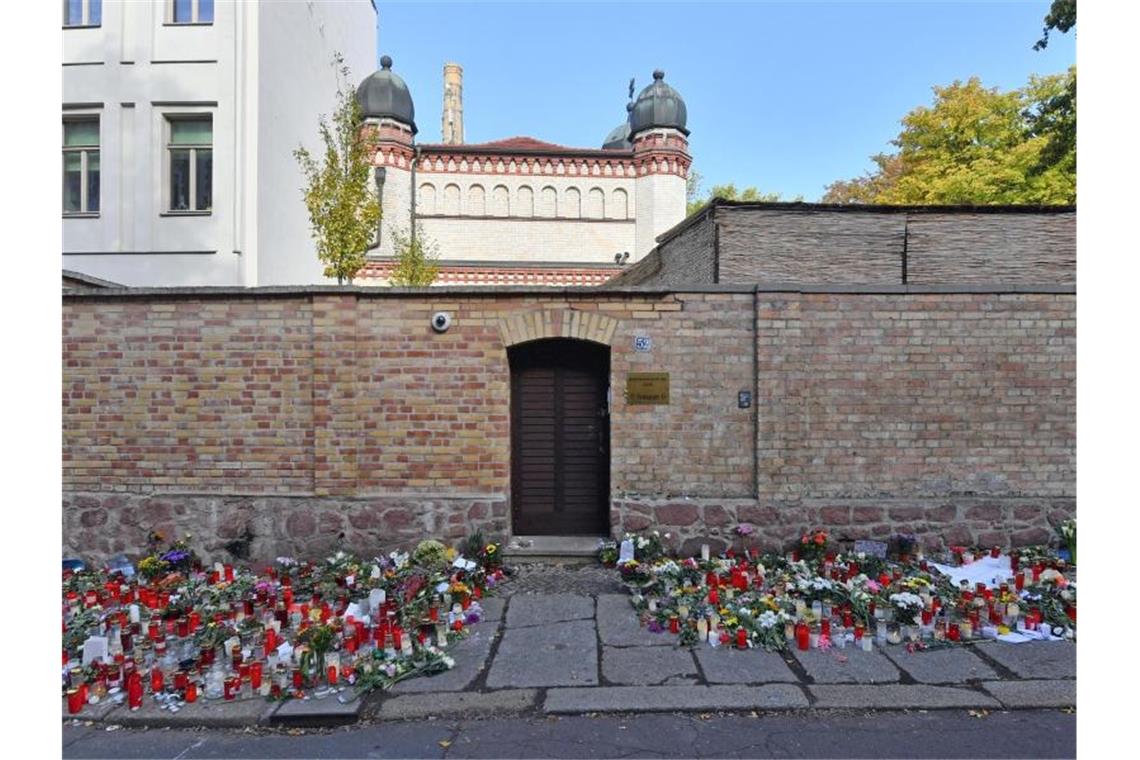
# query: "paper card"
{"type": "Point", "coordinates": [871, 548]}
{"type": "Point", "coordinates": [625, 554]}
{"type": "Point", "coordinates": [284, 652]}
{"type": "Point", "coordinates": [95, 648]}
{"type": "Point", "coordinates": [376, 598]}
{"type": "Point", "coordinates": [355, 611]}
{"type": "Point", "coordinates": [350, 580]}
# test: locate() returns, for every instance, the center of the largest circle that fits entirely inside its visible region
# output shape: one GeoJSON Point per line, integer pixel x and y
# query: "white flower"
{"type": "Point", "coordinates": [907, 601]}
{"type": "Point", "coordinates": [767, 619]}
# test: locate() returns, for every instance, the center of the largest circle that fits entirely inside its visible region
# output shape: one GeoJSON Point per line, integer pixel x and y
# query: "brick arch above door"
{"type": "Point", "coordinates": [562, 323]}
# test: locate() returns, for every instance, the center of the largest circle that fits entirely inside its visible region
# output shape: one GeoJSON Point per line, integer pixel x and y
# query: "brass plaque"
{"type": "Point", "coordinates": [647, 388]}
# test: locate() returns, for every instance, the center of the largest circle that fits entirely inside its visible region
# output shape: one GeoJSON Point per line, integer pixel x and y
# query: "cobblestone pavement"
{"type": "Point", "coordinates": [543, 578]}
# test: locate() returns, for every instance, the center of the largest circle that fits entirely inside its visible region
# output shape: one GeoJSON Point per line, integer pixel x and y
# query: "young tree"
{"type": "Point", "coordinates": [415, 261]}
{"type": "Point", "coordinates": [344, 211]}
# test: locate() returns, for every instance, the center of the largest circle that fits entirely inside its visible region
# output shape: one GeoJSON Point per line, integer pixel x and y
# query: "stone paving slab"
{"type": "Point", "coordinates": [644, 666]}
{"type": "Point", "coordinates": [670, 698]}
{"type": "Point", "coordinates": [98, 711]}
{"type": "Point", "coordinates": [1034, 693]}
{"type": "Point", "coordinates": [492, 608]}
{"type": "Point", "coordinates": [470, 655]}
{"type": "Point", "coordinates": [724, 665]}
{"type": "Point", "coordinates": [213, 713]}
{"type": "Point", "coordinates": [618, 624]}
{"type": "Point", "coordinates": [950, 665]}
{"type": "Point", "coordinates": [542, 609]}
{"type": "Point", "coordinates": [847, 666]}
{"type": "Point", "coordinates": [1035, 659]}
{"type": "Point", "coordinates": [558, 654]}
{"type": "Point", "coordinates": [328, 711]}
{"type": "Point", "coordinates": [458, 703]}
{"type": "Point", "coordinates": [898, 696]}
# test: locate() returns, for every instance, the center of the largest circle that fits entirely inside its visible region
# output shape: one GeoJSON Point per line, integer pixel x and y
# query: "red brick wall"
{"type": "Point", "coordinates": [334, 418]}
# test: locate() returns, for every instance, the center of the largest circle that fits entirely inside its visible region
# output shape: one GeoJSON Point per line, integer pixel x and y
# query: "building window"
{"type": "Point", "coordinates": [81, 166]}
{"type": "Point", "coordinates": [82, 12]}
{"type": "Point", "coordinates": [191, 11]}
{"type": "Point", "coordinates": [190, 164]}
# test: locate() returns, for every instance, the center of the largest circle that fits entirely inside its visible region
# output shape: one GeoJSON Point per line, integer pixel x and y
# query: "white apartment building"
{"type": "Point", "coordinates": [179, 122]}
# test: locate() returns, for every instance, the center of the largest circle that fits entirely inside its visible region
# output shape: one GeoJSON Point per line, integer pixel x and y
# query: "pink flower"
{"type": "Point", "coordinates": [873, 586]}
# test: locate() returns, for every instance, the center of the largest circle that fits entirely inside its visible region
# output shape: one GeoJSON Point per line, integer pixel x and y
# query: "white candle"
{"type": "Point", "coordinates": [866, 642]}
{"type": "Point", "coordinates": [702, 629]}
{"type": "Point", "coordinates": [705, 552]}
{"type": "Point", "coordinates": [134, 613]}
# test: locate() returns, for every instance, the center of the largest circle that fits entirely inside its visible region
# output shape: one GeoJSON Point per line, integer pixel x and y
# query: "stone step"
{"type": "Point", "coordinates": [563, 549]}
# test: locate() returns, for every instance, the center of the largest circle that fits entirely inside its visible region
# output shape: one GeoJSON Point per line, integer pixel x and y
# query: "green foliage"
{"type": "Point", "coordinates": [1062, 16]}
{"type": "Point", "coordinates": [977, 145]}
{"type": "Point", "coordinates": [430, 554]}
{"type": "Point", "coordinates": [730, 193]}
{"type": "Point", "coordinates": [343, 209]}
{"type": "Point", "coordinates": [415, 261]}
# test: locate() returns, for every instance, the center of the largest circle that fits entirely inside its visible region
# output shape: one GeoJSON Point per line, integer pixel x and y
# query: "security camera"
{"type": "Point", "coordinates": [440, 321]}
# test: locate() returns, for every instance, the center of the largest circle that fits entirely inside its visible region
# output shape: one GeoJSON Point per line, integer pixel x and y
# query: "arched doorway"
{"type": "Point", "coordinates": [560, 437]}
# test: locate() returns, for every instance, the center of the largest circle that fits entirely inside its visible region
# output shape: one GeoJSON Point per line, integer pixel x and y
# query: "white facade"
{"type": "Point", "coordinates": [262, 73]}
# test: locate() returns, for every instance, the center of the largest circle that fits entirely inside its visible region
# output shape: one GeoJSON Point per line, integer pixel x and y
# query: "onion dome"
{"type": "Point", "coordinates": [384, 95]}
{"type": "Point", "coordinates": [618, 138]}
{"type": "Point", "coordinates": [658, 105]}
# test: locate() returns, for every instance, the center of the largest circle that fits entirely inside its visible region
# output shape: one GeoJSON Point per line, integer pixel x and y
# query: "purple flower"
{"type": "Point", "coordinates": [472, 617]}
{"type": "Point", "coordinates": [654, 627]}
{"type": "Point", "coordinates": [175, 556]}
{"type": "Point", "coordinates": [744, 529]}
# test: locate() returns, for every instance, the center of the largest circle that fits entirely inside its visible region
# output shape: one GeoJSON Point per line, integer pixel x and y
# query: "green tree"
{"type": "Point", "coordinates": [1062, 16]}
{"type": "Point", "coordinates": [730, 193]}
{"type": "Point", "coordinates": [415, 261]}
{"type": "Point", "coordinates": [974, 145]}
{"type": "Point", "coordinates": [344, 211]}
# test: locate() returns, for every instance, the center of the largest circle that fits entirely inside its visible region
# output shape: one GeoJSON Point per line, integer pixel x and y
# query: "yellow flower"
{"type": "Point", "coordinates": [490, 548]}
{"type": "Point", "coordinates": [731, 621]}
{"type": "Point", "coordinates": [451, 553]}
{"type": "Point", "coordinates": [315, 615]}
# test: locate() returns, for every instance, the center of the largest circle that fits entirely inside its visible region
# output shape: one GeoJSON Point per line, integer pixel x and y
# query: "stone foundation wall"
{"type": "Point", "coordinates": [968, 521]}
{"type": "Point", "coordinates": [97, 525]}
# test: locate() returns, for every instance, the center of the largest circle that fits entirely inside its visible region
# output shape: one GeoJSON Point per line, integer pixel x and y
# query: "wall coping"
{"type": "Point", "coordinates": [491, 291]}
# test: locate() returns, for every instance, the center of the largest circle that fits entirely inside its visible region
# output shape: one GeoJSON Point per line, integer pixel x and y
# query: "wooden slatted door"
{"type": "Point", "coordinates": [560, 459]}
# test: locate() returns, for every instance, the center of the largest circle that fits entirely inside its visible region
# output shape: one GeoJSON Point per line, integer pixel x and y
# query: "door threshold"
{"type": "Point", "coordinates": [552, 546]}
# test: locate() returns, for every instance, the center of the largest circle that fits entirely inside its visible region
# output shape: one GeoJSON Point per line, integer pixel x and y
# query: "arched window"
{"type": "Point", "coordinates": [547, 202]}
{"type": "Point", "coordinates": [476, 201]}
{"type": "Point", "coordinates": [619, 204]}
{"type": "Point", "coordinates": [526, 201]}
{"type": "Point", "coordinates": [500, 201]}
{"type": "Point", "coordinates": [451, 200]}
{"type": "Point", "coordinates": [595, 204]}
{"type": "Point", "coordinates": [425, 203]}
{"type": "Point", "coordinates": [573, 203]}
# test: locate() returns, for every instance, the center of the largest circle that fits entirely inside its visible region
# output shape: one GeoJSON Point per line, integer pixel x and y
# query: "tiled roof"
{"type": "Point", "coordinates": [376, 272]}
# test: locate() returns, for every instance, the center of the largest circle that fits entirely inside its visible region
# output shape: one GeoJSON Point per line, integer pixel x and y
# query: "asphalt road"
{"type": "Point", "coordinates": [950, 733]}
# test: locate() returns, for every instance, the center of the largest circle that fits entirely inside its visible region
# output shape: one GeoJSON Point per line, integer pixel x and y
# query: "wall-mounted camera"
{"type": "Point", "coordinates": [440, 321]}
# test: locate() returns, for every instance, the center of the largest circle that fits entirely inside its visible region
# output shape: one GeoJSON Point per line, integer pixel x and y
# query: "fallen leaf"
{"type": "Point", "coordinates": [444, 743]}
{"type": "Point", "coordinates": [978, 713]}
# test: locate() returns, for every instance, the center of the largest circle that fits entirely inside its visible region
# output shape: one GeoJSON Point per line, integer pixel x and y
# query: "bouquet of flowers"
{"type": "Point", "coordinates": [813, 545]}
{"type": "Point", "coordinates": [906, 606]}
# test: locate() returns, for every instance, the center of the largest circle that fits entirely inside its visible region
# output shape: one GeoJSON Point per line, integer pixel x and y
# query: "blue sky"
{"type": "Point", "coordinates": [784, 96]}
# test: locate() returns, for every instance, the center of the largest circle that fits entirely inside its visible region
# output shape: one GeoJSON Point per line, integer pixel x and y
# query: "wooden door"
{"type": "Point", "coordinates": [560, 459]}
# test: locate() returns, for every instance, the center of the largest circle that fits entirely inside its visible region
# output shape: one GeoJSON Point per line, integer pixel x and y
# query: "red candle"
{"type": "Point", "coordinates": [825, 627]}
{"type": "Point", "coordinates": [927, 616]}
{"type": "Point", "coordinates": [714, 597]}
{"type": "Point", "coordinates": [134, 691]}
{"type": "Point", "coordinates": [674, 625]}
{"type": "Point", "coordinates": [181, 678]}
{"type": "Point", "coordinates": [858, 631]}
{"type": "Point", "coordinates": [183, 628]}
{"type": "Point", "coordinates": [255, 675]}
{"type": "Point", "coordinates": [478, 592]}
{"type": "Point", "coordinates": [953, 633]}
{"type": "Point", "coordinates": [847, 617]}
{"type": "Point", "coordinates": [153, 630]}
{"type": "Point", "coordinates": [1019, 581]}
{"type": "Point", "coordinates": [156, 680]}
{"type": "Point", "coordinates": [398, 637]}
{"type": "Point", "coordinates": [229, 689]}
{"type": "Point", "coordinates": [332, 675]}
{"type": "Point", "coordinates": [741, 638]}
{"type": "Point", "coordinates": [229, 573]}
{"type": "Point", "coordinates": [995, 552]}
{"type": "Point", "coordinates": [802, 634]}
{"type": "Point", "coordinates": [270, 641]}
{"type": "Point", "coordinates": [298, 679]}
{"type": "Point", "coordinates": [358, 627]}
{"type": "Point", "coordinates": [1014, 561]}
{"type": "Point", "coordinates": [1037, 570]}
{"type": "Point", "coordinates": [466, 601]}
{"type": "Point", "coordinates": [350, 644]}
{"type": "Point", "coordinates": [192, 692]}
{"type": "Point", "coordinates": [74, 701]}
{"type": "Point", "coordinates": [287, 596]}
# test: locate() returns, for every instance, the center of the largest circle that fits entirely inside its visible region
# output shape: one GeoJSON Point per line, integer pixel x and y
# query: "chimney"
{"type": "Point", "coordinates": [452, 104]}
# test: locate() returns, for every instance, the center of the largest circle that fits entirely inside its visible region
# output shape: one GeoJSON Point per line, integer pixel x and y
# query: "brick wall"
{"type": "Point", "coordinates": [299, 421]}
{"type": "Point", "coordinates": [812, 244]}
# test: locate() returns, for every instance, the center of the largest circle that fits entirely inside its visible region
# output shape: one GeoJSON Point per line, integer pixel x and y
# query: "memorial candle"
{"type": "Point", "coordinates": [74, 701]}
{"type": "Point", "coordinates": [803, 637]}
{"type": "Point", "coordinates": [741, 638]}
{"type": "Point", "coordinates": [134, 691]}
{"type": "Point", "coordinates": [156, 680]}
